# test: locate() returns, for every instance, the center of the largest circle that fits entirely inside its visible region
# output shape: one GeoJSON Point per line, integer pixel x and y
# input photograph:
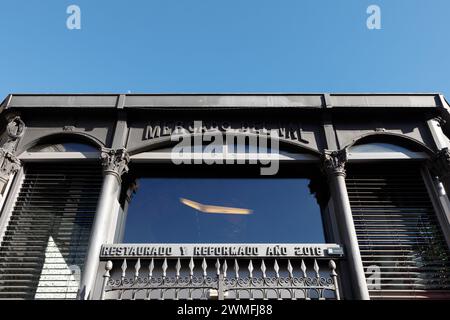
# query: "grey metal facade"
{"type": "Point", "coordinates": [134, 129]}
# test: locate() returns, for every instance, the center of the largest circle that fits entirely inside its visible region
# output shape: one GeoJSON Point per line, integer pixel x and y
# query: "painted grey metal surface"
{"type": "Point", "coordinates": [108, 194]}
{"type": "Point", "coordinates": [323, 121]}
{"type": "Point", "coordinates": [334, 166]}
{"type": "Point", "coordinates": [221, 100]}
{"type": "Point", "coordinates": [115, 163]}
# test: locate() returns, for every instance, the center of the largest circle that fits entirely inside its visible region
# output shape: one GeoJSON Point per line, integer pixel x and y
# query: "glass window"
{"type": "Point", "coordinates": [379, 147]}
{"type": "Point", "coordinates": [63, 147]}
{"type": "Point", "coordinates": [224, 210]}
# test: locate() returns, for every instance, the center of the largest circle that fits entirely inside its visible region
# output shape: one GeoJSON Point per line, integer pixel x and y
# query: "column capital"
{"type": "Point", "coordinates": [115, 161]}
{"type": "Point", "coordinates": [440, 120]}
{"type": "Point", "coordinates": [9, 164]}
{"type": "Point", "coordinates": [439, 164]}
{"type": "Point", "coordinates": [334, 162]}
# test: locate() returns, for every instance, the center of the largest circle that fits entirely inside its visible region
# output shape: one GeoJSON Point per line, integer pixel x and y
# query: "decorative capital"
{"type": "Point", "coordinates": [439, 164]}
{"type": "Point", "coordinates": [115, 161]}
{"type": "Point", "coordinates": [334, 162]}
{"type": "Point", "coordinates": [15, 128]}
{"type": "Point", "coordinates": [9, 164]}
{"type": "Point", "coordinates": [440, 120]}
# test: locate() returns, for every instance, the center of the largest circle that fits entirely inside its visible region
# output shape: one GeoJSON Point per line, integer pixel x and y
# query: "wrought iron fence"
{"type": "Point", "coordinates": [221, 278]}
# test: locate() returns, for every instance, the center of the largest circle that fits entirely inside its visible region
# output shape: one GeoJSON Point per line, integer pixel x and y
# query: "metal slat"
{"type": "Point", "coordinates": [398, 233]}
{"type": "Point", "coordinates": [57, 201]}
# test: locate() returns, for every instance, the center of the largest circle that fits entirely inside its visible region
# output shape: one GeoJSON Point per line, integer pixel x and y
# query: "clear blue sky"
{"type": "Point", "coordinates": [224, 46]}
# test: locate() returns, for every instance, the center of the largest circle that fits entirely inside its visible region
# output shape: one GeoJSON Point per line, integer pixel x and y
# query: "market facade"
{"type": "Point", "coordinates": [225, 196]}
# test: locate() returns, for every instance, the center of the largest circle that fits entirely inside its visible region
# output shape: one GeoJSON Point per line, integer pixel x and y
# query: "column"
{"type": "Point", "coordinates": [435, 126]}
{"type": "Point", "coordinates": [439, 166]}
{"type": "Point", "coordinates": [115, 164]}
{"type": "Point", "coordinates": [334, 167]}
{"type": "Point", "coordinates": [9, 165]}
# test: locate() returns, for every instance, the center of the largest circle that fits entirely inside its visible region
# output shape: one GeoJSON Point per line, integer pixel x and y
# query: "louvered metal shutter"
{"type": "Point", "coordinates": [43, 250]}
{"type": "Point", "coordinates": [403, 249]}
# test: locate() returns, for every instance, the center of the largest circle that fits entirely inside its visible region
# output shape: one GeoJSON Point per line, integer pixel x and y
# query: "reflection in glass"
{"type": "Point", "coordinates": [206, 210]}
{"type": "Point", "coordinates": [214, 209]}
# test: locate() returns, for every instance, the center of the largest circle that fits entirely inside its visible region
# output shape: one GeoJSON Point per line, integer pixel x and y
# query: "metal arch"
{"type": "Point", "coordinates": [161, 142]}
{"type": "Point", "coordinates": [85, 137]}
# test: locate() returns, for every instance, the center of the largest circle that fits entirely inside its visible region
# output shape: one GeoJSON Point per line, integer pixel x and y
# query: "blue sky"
{"type": "Point", "coordinates": [224, 46]}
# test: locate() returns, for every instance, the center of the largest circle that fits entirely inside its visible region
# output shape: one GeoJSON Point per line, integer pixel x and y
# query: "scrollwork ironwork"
{"type": "Point", "coordinates": [292, 286]}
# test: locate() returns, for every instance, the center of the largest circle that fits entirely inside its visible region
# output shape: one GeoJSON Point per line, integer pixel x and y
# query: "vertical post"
{"type": "Point", "coordinates": [9, 164]}
{"type": "Point", "coordinates": [115, 163]}
{"type": "Point", "coordinates": [435, 127]}
{"type": "Point", "coordinates": [334, 167]}
{"type": "Point", "coordinates": [333, 274]}
{"type": "Point", "coordinates": [106, 277]}
{"type": "Point", "coordinates": [440, 166]}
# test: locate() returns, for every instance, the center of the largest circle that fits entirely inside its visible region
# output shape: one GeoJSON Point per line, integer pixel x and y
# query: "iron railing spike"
{"type": "Point", "coordinates": [124, 268]}
{"type": "Point", "coordinates": [303, 267]}
{"type": "Point", "coordinates": [263, 268]}
{"type": "Point", "coordinates": [276, 268]}
{"type": "Point", "coordinates": [224, 268]}
{"type": "Point", "coordinates": [204, 267]}
{"type": "Point", "coordinates": [164, 267]}
{"type": "Point", "coordinates": [290, 269]}
{"type": "Point", "coordinates": [178, 268]}
{"type": "Point", "coordinates": [191, 267]}
{"type": "Point", "coordinates": [137, 267]}
{"type": "Point", "coordinates": [218, 266]}
{"type": "Point", "coordinates": [316, 268]}
{"type": "Point", "coordinates": [151, 266]}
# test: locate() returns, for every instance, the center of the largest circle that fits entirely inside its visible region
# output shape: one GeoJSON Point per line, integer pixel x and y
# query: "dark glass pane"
{"type": "Point", "coordinates": [251, 211]}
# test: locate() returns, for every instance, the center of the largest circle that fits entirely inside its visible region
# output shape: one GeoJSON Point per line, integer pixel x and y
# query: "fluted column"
{"type": "Point", "coordinates": [115, 164]}
{"type": "Point", "coordinates": [334, 167]}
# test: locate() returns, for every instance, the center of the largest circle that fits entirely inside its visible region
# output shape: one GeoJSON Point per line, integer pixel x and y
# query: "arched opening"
{"type": "Point", "coordinates": [57, 196]}
{"type": "Point", "coordinates": [63, 147]}
{"type": "Point", "coordinates": [64, 143]}
{"type": "Point", "coordinates": [387, 146]}
{"type": "Point", "coordinates": [60, 147]}
{"type": "Point", "coordinates": [403, 247]}
{"type": "Point", "coordinates": [213, 195]}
